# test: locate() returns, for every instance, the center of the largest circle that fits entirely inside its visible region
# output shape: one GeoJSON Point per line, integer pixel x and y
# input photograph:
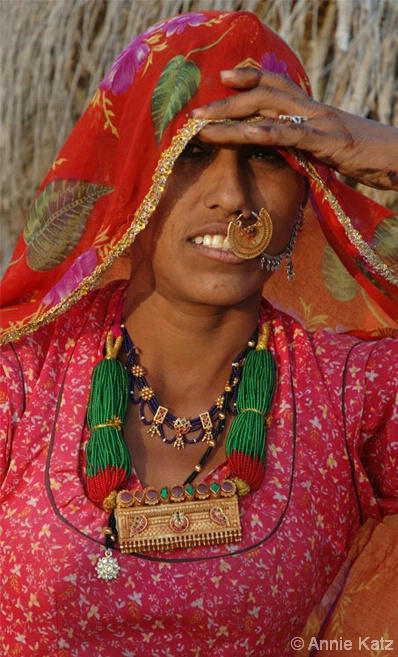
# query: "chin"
{"type": "Point", "coordinates": [229, 295]}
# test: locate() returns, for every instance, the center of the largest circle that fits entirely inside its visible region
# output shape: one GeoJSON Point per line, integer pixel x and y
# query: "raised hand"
{"type": "Point", "coordinates": [356, 147]}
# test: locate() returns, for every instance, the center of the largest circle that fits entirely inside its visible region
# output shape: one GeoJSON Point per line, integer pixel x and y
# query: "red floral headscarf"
{"type": "Point", "coordinates": [106, 182]}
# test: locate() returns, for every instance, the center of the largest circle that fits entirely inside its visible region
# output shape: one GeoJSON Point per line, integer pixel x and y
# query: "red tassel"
{"type": "Point", "coordinates": [251, 470]}
{"type": "Point", "coordinates": [99, 486]}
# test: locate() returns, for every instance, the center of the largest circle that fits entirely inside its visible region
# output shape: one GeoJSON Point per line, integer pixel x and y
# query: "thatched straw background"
{"type": "Point", "coordinates": [55, 52]}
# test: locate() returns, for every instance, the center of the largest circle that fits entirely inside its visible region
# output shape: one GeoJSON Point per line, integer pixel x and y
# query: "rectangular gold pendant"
{"type": "Point", "coordinates": [172, 525]}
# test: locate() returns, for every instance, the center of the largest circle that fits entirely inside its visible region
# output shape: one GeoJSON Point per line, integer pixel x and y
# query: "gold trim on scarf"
{"type": "Point", "coordinates": [141, 218]}
{"type": "Point", "coordinates": [149, 204]}
{"type": "Point", "coordinates": [353, 235]}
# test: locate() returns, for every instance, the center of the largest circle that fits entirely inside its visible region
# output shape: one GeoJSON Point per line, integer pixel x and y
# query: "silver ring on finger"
{"type": "Point", "coordinates": [293, 118]}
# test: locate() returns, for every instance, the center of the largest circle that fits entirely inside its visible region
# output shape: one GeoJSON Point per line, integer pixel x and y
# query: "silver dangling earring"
{"type": "Point", "coordinates": [272, 263]}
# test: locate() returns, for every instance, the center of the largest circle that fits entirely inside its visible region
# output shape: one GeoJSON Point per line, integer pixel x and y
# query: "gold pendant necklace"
{"type": "Point", "coordinates": [186, 515]}
{"type": "Point", "coordinates": [177, 517]}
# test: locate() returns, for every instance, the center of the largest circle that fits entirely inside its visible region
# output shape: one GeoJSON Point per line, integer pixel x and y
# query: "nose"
{"type": "Point", "coordinates": [227, 186]}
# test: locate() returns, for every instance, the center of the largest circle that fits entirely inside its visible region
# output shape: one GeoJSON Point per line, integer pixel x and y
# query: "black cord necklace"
{"type": "Point", "coordinates": [208, 425]}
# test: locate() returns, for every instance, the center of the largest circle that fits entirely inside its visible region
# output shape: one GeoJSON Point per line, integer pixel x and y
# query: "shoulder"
{"type": "Point", "coordinates": [335, 354]}
{"type": "Point", "coordinates": [85, 316]}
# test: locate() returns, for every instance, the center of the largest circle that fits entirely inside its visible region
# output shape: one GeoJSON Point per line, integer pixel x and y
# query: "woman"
{"type": "Point", "coordinates": [243, 497]}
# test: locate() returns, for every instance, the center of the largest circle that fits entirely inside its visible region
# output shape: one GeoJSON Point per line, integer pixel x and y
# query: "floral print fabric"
{"type": "Point", "coordinates": [364, 618]}
{"type": "Point", "coordinates": [331, 439]}
{"type": "Point", "coordinates": [106, 181]}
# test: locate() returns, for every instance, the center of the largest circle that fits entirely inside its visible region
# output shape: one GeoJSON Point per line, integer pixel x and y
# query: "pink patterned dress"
{"type": "Point", "coordinates": [331, 462]}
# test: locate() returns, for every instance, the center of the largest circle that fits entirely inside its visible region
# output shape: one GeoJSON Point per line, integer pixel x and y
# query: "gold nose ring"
{"type": "Point", "coordinates": [247, 239]}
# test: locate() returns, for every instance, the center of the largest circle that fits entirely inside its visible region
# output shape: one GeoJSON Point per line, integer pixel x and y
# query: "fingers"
{"type": "Point", "coordinates": [271, 133]}
{"type": "Point", "coordinates": [345, 142]}
{"type": "Point", "coordinates": [268, 133]}
{"type": "Point", "coordinates": [303, 136]}
{"type": "Point", "coordinates": [264, 101]}
{"type": "Point", "coordinates": [267, 94]}
{"type": "Point", "coordinates": [247, 78]}
{"type": "Point", "coordinates": [241, 78]}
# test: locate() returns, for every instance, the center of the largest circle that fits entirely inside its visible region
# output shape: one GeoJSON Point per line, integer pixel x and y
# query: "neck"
{"type": "Point", "coordinates": [188, 350]}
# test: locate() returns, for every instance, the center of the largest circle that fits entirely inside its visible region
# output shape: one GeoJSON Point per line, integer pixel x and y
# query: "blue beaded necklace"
{"type": "Point", "coordinates": [157, 417]}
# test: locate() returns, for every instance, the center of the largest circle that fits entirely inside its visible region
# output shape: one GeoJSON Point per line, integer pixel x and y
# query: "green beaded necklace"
{"type": "Point", "coordinates": [108, 462]}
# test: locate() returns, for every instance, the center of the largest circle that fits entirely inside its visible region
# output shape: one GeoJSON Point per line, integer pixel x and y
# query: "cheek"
{"type": "Point", "coordinates": [283, 202]}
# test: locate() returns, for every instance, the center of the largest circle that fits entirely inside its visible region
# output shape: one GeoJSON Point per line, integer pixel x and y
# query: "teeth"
{"type": "Point", "coordinates": [218, 241]}
{"type": "Point", "coordinates": [212, 241]}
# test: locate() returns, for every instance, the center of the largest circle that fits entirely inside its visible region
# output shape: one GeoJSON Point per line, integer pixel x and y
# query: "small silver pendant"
{"type": "Point", "coordinates": [107, 567]}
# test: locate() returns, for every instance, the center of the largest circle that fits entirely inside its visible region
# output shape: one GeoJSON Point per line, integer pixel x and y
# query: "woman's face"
{"type": "Point", "coordinates": [209, 186]}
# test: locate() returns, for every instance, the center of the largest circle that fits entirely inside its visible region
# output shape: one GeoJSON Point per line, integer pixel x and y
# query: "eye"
{"type": "Point", "coordinates": [195, 149]}
{"type": "Point", "coordinates": [266, 155]}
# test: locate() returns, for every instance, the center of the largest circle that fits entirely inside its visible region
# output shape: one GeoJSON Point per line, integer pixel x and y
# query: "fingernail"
{"type": "Point", "coordinates": [253, 129]}
{"type": "Point", "coordinates": [198, 112]}
{"type": "Point", "coordinates": [226, 74]}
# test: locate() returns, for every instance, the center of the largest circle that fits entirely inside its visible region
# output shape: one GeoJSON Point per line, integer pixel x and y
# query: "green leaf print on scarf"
{"type": "Point", "coordinates": [338, 281]}
{"type": "Point", "coordinates": [177, 84]}
{"type": "Point", "coordinates": [58, 219]}
{"type": "Point", "coordinates": [385, 242]}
